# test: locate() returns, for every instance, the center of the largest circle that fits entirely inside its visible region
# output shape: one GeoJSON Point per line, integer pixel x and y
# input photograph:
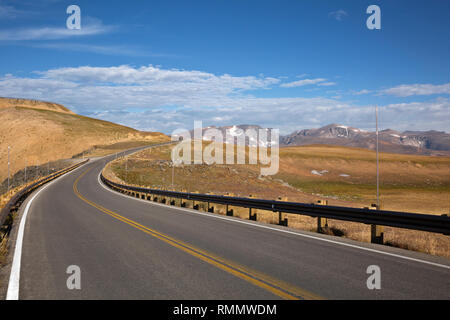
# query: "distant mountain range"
{"type": "Point", "coordinates": [409, 142]}
{"type": "Point", "coordinates": [235, 132]}
{"type": "Point", "coordinates": [414, 142]}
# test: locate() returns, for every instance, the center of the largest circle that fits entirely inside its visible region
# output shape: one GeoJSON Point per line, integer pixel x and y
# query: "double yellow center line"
{"type": "Point", "coordinates": [275, 286]}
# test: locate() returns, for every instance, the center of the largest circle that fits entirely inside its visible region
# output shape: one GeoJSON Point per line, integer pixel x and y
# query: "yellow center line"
{"type": "Point", "coordinates": [275, 286]}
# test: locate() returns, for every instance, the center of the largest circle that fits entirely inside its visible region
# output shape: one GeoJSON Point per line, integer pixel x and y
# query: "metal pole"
{"type": "Point", "coordinates": [9, 148]}
{"type": "Point", "coordinates": [173, 168]}
{"type": "Point", "coordinates": [26, 164]}
{"type": "Point", "coordinates": [378, 169]}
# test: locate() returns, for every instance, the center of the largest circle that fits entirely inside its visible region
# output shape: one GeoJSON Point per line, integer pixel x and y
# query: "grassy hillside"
{"type": "Point", "coordinates": [408, 183]}
{"type": "Point", "coordinates": [39, 132]}
{"type": "Point", "coordinates": [343, 175]}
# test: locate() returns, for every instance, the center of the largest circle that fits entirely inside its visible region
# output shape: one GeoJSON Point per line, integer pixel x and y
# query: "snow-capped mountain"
{"type": "Point", "coordinates": [239, 134]}
{"type": "Point", "coordinates": [412, 142]}
{"type": "Point", "coordinates": [423, 142]}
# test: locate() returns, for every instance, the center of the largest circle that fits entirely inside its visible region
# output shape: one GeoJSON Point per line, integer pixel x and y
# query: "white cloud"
{"type": "Point", "coordinates": [300, 83]}
{"type": "Point", "coordinates": [169, 99]}
{"type": "Point", "coordinates": [339, 15]}
{"type": "Point", "coordinates": [406, 90]}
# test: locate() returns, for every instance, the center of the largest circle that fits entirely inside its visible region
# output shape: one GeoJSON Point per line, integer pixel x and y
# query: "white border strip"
{"type": "Point", "coordinates": [280, 230]}
{"type": "Point", "coordinates": [14, 277]}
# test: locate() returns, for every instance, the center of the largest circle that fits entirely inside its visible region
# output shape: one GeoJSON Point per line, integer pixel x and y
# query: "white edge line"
{"type": "Point", "coordinates": [14, 277]}
{"type": "Point", "coordinates": [280, 230]}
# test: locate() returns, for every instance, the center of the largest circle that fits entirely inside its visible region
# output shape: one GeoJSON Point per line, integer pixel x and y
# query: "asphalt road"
{"type": "Point", "coordinates": [134, 249]}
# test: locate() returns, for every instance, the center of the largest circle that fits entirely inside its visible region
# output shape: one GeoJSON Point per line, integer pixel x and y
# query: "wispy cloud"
{"type": "Point", "coordinates": [327, 84]}
{"type": "Point", "coordinates": [300, 83]}
{"type": "Point", "coordinates": [9, 12]}
{"type": "Point", "coordinates": [361, 92]}
{"type": "Point", "coordinates": [339, 15]}
{"type": "Point", "coordinates": [131, 51]}
{"type": "Point", "coordinates": [406, 90]}
{"type": "Point", "coordinates": [93, 27]}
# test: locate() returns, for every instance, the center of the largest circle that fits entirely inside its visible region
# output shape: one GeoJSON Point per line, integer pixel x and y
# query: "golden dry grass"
{"type": "Point", "coordinates": [40, 132]}
{"type": "Point", "coordinates": [409, 183]}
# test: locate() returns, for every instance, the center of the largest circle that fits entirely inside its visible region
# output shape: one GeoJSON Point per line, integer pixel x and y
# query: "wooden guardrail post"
{"type": "Point", "coordinates": [376, 231]}
{"type": "Point", "coordinates": [282, 221]}
{"type": "Point", "coordinates": [322, 223]}
{"type": "Point", "coordinates": [229, 212]}
{"type": "Point", "coordinates": [209, 207]}
{"type": "Point", "coordinates": [194, 205]}
{"type": "Point", "coordinates": [183, 203]}
{"type": "Point", "coordinates": [171, 199]}
{"type": "Point", "coordinates": [252, 216]}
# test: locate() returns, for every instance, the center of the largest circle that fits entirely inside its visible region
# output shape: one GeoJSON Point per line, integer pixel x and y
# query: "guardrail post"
{"type": "Point", "coordinates": [281, 221]}
{"type": "Point", "coordinates": [209, 207]}
{"type": "Point", "coordinates": [250, 215]}
{"type": "Point", "coordinates": [172, 200]}
{"type": "Point", "coordinates": [195, 206]}
{"type": "Point", "coordinates": [322, 223]}
{"type": "Point", "coordinates": [183, 203]}
{"type": "Point", "coordinates": [376, 231]}
{"type": "Point", "coordinates": [229, 212]}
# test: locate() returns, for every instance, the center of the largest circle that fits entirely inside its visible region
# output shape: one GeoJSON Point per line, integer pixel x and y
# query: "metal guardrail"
{"type": "Point", "coordinates": [414, 221]}
{"type": "Point", "coordinates": [20, 196]}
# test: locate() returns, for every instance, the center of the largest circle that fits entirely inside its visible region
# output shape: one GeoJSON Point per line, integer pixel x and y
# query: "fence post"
{"type": "Point", "coordinates": [322, 223]}
{"type": "Point", "coordinates": [376, 231]}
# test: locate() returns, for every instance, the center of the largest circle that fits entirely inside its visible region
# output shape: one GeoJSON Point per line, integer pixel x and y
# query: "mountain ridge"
{"type": "Point", "coordinates": [430, 142]}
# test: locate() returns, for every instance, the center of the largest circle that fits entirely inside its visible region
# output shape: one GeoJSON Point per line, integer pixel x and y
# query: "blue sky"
{"type": "Point", "coordinates": [160, 65]}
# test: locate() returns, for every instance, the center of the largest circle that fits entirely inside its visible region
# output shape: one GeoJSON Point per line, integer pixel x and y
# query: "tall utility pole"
{"type": "Point", "coordinates": [9, 148]}
{"type": "Point", "coordinates": [378, 169]}
{"type": "Point", "coordinates": [26, 164]}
